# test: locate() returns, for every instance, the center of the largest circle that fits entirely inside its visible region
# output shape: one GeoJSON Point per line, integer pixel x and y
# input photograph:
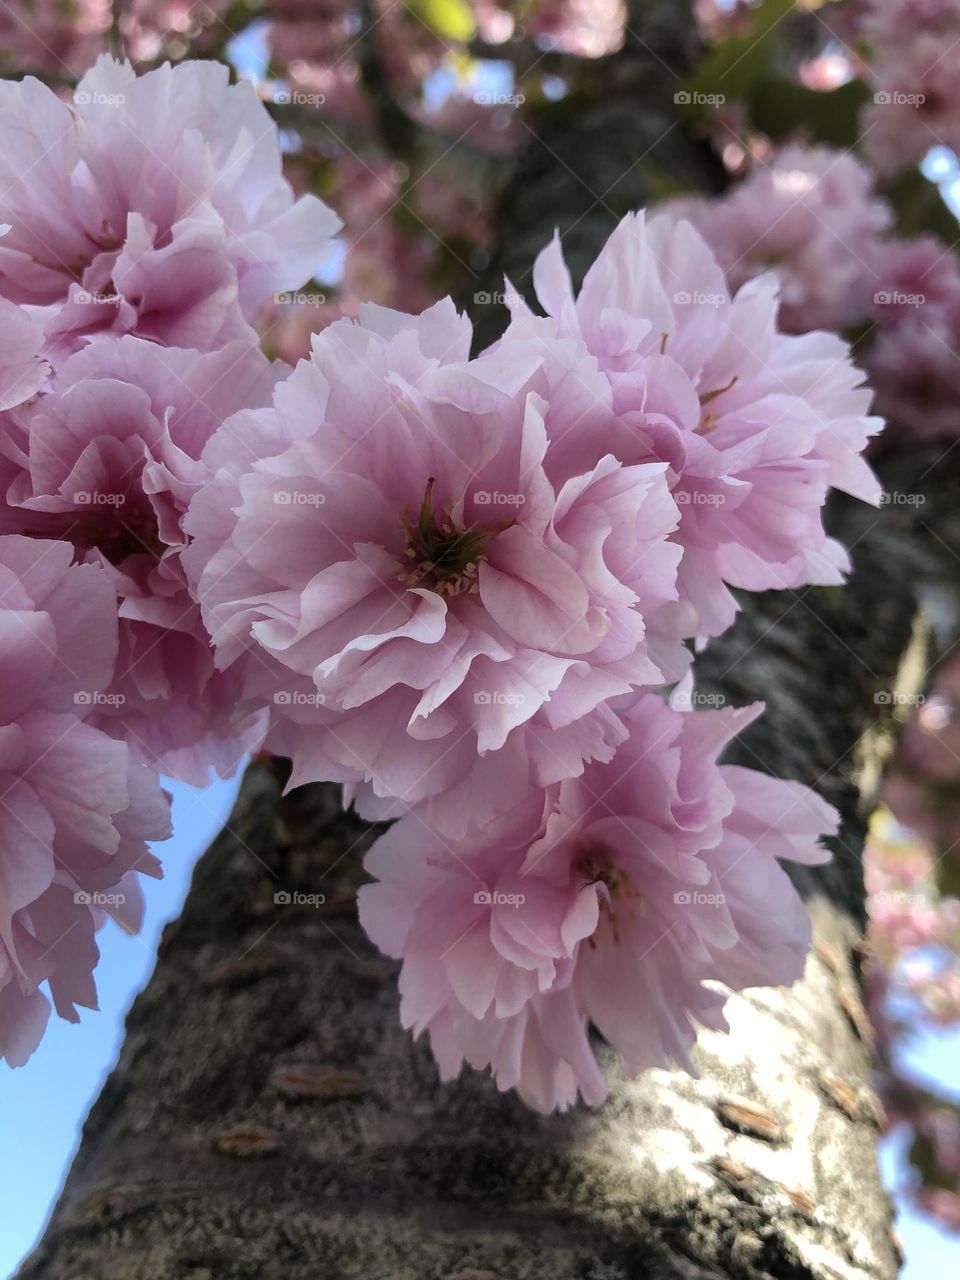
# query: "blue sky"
{"type": "Point", "coordinates": [44, 1103]}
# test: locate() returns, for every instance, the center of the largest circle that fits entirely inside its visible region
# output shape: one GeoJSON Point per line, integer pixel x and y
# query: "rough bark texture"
{"type": "Point", "coordinates": [269, 1119]}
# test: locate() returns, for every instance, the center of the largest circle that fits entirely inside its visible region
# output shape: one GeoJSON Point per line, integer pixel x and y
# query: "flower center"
{"type": "Point", "coordinates": [595, 867]}
{"type": "Point", "coordinates": [444, 558]}
{"type": "Point", "coordinates": [117, 532]}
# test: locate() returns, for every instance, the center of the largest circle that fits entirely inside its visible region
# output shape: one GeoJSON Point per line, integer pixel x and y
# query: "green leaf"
{"type": "Point", "coordinates": [779, 107]}
{"type": "Point", "coordinates": [448, 19]}
{"type": "Point", "coordinates": [947, 873]}
{"type": "Point", "coordinates": [733, 66]}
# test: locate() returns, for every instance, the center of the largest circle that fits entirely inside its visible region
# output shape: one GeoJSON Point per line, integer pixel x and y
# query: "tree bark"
{"type": "Point", "coordinates": [269, 1119]}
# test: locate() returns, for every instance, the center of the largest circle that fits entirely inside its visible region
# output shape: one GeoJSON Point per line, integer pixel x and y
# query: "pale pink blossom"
{"type": "Point", "coordinates": [433, 608]}
{"type": "Point", "coordinates": [612, 902]}
{"type": "Point", "coordinates": [812, 218]}
{"type": "Point", "coordinates": [76, 811]}
{"type": "Point", "coordinates": [914, 103]}
{"type": "Point", "coordinates": [108, 461]}
{"type": "Point", "coordinates": [22, 371]}
{"type": "Point", "coordinates": [887, 23]}
{"type": "Point", "coordinates": [755, 426]}
{"type": "Point", "coordinates": [912, 359]}
{"type": "Point", "coordinates": [153, 205]}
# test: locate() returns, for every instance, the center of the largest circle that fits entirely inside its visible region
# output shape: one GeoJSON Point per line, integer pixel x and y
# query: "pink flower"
{"type": "Point", "coordinates": [914, 104]}
{"type": "Point", "coordinates": [755, 425]}
{"type": "Point", "coordinates": [46, 35]}
{"type": "Point", "coordinates": [890, 22]}
{"type": "Point", "coordinates": [611, 902]}
{"type": "Point", "coordinates": [75, 811]}
{"type": "Point", "coordinates": [153, 205]}
{"type": "Point", "coordinates": [911, 360]}
{"type": "Point", "coordinates": [108, 461]}
{"type": "Point", "coordinates": [812, 218]}
{"type": "Point", "coordinates": [22, 372]}
{"type": "Point", "coordinates": [434, 609]}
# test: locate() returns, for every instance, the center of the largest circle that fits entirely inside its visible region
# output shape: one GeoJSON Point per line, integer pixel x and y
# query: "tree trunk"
{"type": "Point", "coordinates": [268, 1118]}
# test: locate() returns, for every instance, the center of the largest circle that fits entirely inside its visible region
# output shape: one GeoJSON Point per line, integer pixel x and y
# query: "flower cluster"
{"type": "Point", "coordinates": [805, 216]}
{"type": "Point", "coordinates": [461, 585]}
{"type": "Point", "coordinates": [76, 808]}
{"type": "Point", "coordinates": [913, 65]}
{"type": "Point", "coordinates": [812, 217]}
{"type": "Point", "coordinates": [146, 223]}
{"type": "Point", "coordinates": [456, 581]}
{"type": "Point", "coordinates": [639, 886]}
